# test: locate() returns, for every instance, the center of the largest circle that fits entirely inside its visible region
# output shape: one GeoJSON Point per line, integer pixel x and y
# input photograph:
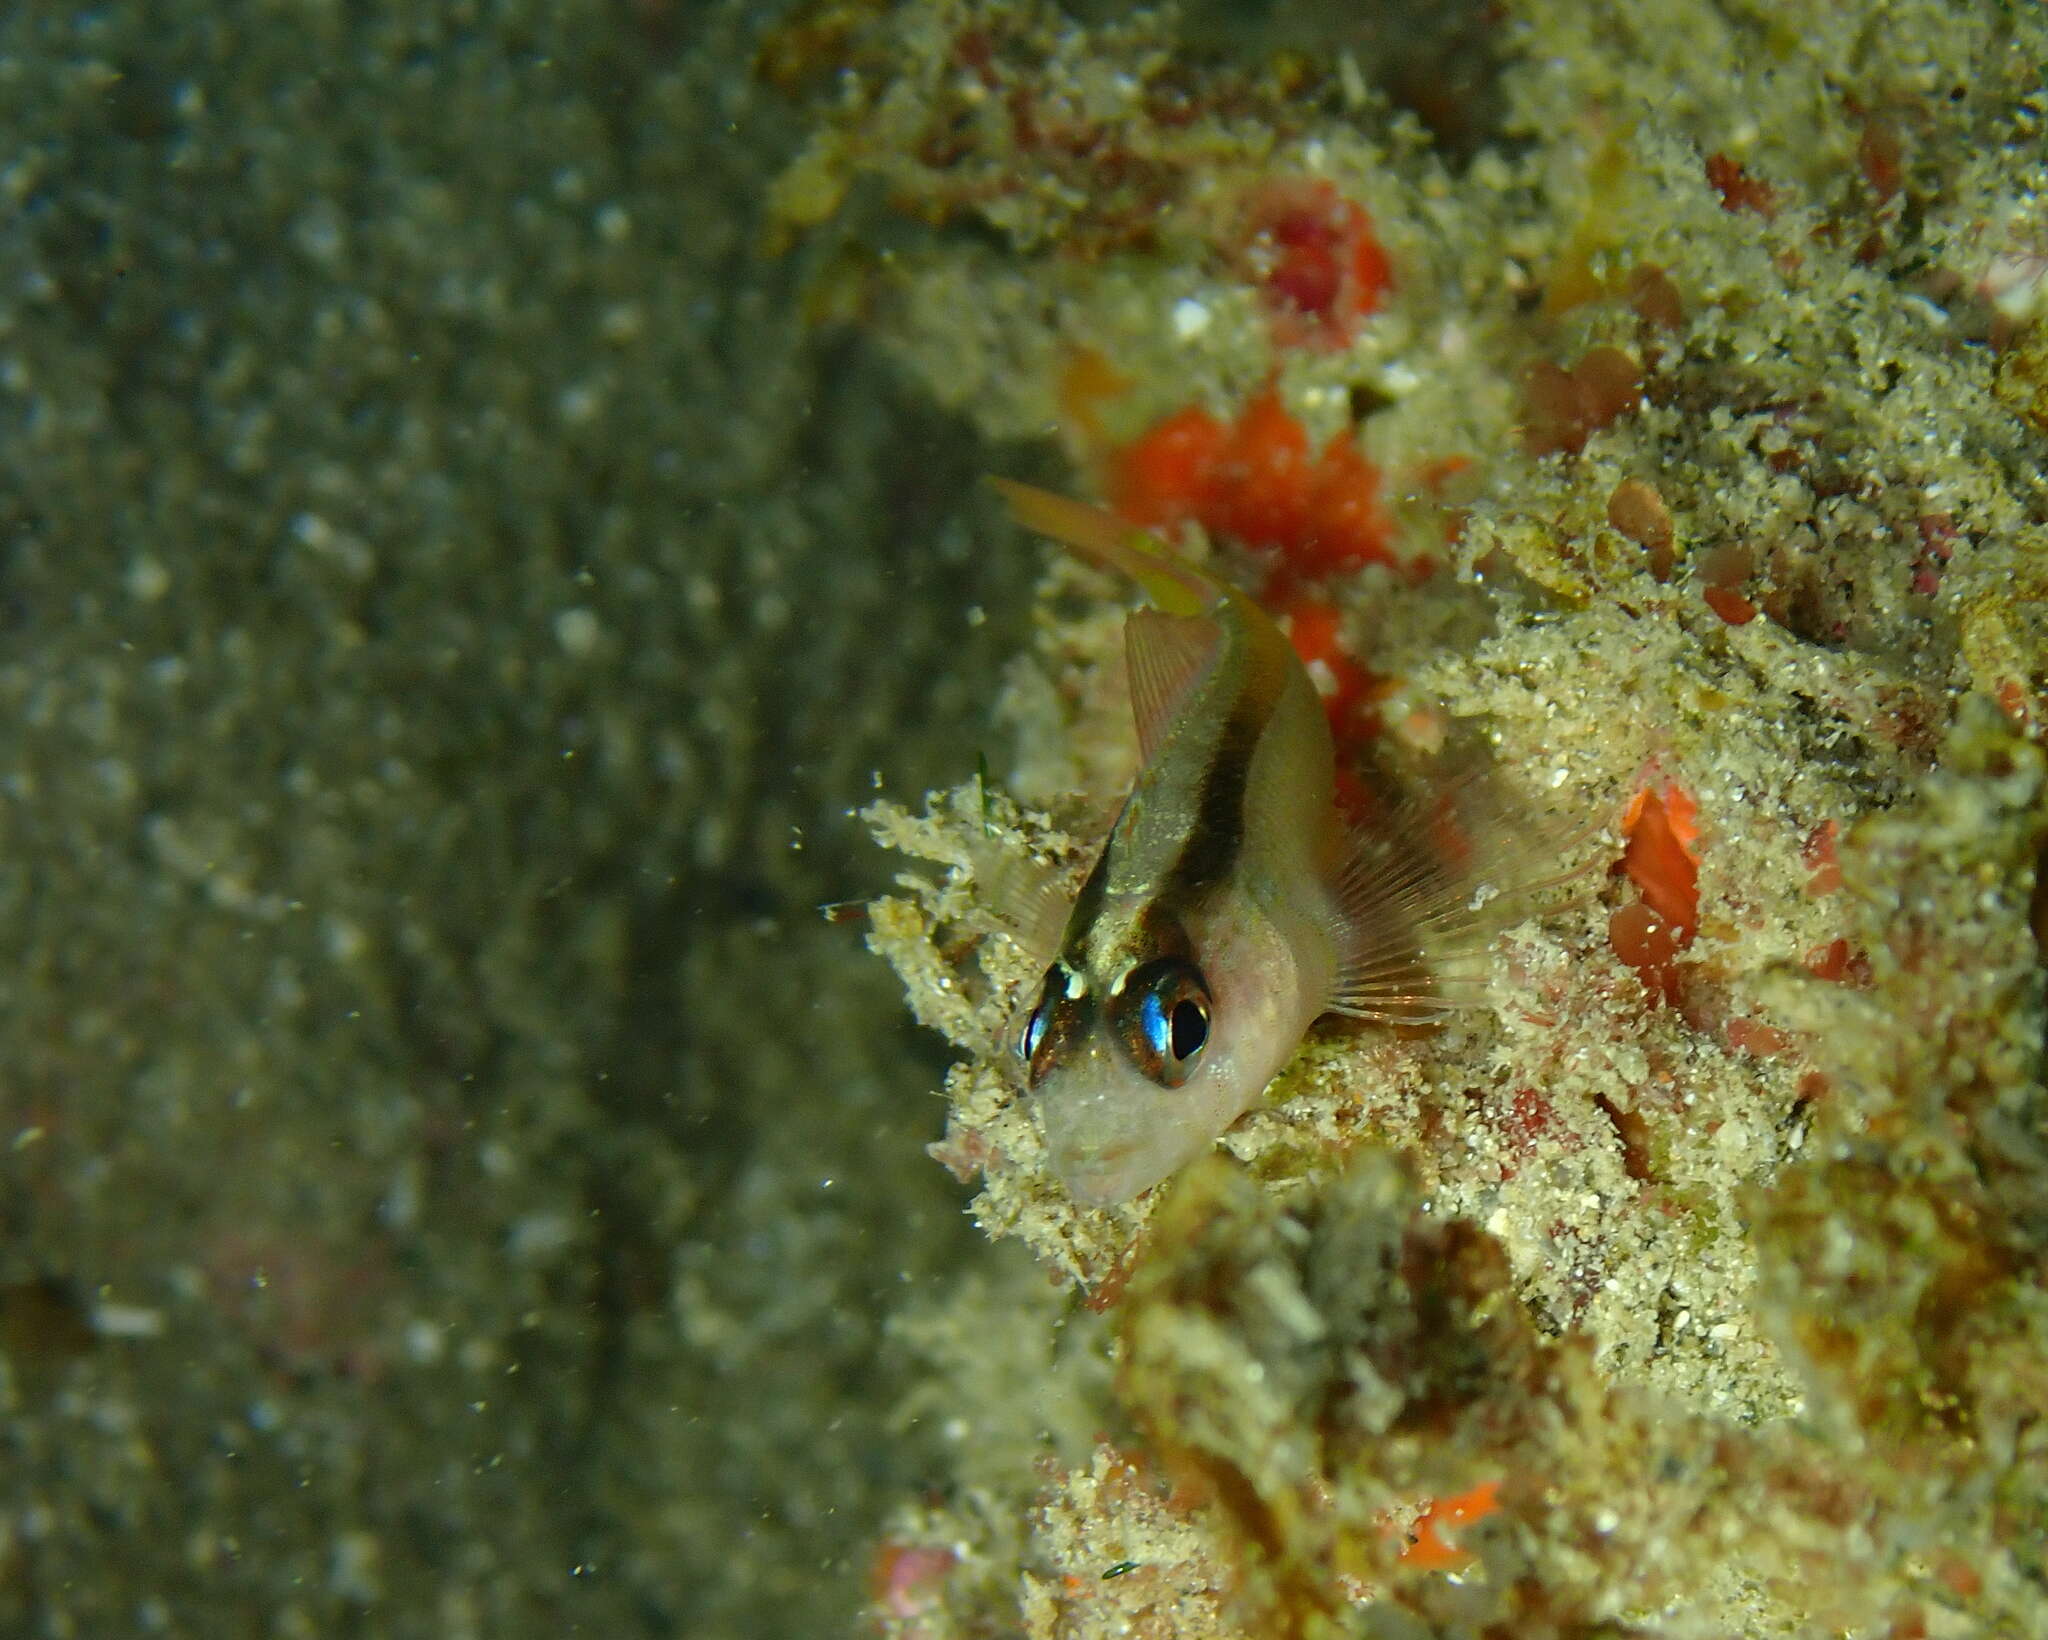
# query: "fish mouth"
{"type": "Point", "coordinates": [1095, 1175]}
{"type": "Point", "coordinates": [1074, 1160]}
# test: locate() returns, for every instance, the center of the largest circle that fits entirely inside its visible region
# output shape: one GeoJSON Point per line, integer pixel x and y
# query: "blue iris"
{"type": "Point", "coordinates": [1157, 1027]}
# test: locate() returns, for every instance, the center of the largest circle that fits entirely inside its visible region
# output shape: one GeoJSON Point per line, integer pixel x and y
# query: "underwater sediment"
{"type": "Point", "coordinates": [1652, 396]}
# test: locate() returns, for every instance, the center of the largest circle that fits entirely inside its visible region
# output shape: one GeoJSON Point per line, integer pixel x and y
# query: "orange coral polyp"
{"type": "Point", "coordinates": [1263, 477]}
{"type": "Point", "coordinates": [1348, 689]}
{"type": "Point", "coordinates": [1346, 525]}
{"type": "Point", "coordinates": [1311, 625]}
{"type": "Point", "coordinates": [1372, 273]}
{"type": "Point", "coordinates": [1662, 827]}
{"type": "Point", "coordinates": [1640, 937]}
{"type": "Point", "coordinates": [1318, 262]}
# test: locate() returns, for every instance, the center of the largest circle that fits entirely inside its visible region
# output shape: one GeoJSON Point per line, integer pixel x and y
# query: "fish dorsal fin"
{"type": "Point", "coordinates": [1105, 540]}
{"type": "Point", "coordinates": [1167, 656]}
{"type": "Point", "coordinates": [1424, 888]}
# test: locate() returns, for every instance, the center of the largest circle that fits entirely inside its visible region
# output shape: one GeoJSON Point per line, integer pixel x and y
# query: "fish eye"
{"type": "Point", "coordinates": [1163, 1017]}
{"type": "Point", "coordinates": [1050, 997]}
{"type": "Point", "coordinates": [1033, 1033]}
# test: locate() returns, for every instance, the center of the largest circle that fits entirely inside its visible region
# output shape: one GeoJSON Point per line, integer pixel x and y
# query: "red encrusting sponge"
{"type": "Point", "coordinates": [1662, 827]}
{"type": "Point", "coordinates": [1316, 260]}
{"type": "Point", "coordinates": [1258, 481]}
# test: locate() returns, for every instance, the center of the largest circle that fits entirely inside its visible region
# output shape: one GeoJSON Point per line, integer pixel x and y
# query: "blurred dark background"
{"type": "Point", "coordinates": [451, 1180]}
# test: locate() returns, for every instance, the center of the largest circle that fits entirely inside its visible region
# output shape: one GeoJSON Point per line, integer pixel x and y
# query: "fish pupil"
{"type": "Point", "coordinates": [1190, 1028]}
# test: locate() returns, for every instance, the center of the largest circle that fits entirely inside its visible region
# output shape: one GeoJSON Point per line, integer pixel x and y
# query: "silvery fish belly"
{"type": "Point", "coordinates": [1227, 908]}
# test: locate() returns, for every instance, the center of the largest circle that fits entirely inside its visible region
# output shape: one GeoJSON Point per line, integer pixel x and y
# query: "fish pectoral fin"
{"type": "Point", "coordinates": [1027, 898]}
{"type": "Point", "coordinates": [1423, 890]}
{"type": "Point", "coordinates": [1166, 655]}
{"type": "Point", "coordinates": [1406, 934]}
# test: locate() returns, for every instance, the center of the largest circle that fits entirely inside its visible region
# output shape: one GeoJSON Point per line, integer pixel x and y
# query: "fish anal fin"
{"type": "Point", "coordinates": [1167, 656]}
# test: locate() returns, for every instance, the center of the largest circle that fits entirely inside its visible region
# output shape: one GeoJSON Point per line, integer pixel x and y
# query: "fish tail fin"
{"type": "Point", "coordinates": [1176, 588]}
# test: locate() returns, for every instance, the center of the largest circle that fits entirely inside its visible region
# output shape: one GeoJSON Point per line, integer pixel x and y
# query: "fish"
{"type": "Point", "coordinates": [1230, 905]}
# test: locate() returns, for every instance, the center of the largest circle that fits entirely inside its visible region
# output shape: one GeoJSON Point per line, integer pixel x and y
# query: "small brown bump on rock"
{"type": "Point", "coordinates": [1728, 565]}
{"type": "Point", "coordinates": [1554, 420]}
{"type": "Point", "coordinates": [1609, 383]}
{"type": "Point", "coordinates": [1565, 406]}
{"type": "Point", "coordinates": [1722, 574]}
{"type": "Point", "coordinates": [1638, 511]}
{"type": "Point", "coordinates": [1655, 298]}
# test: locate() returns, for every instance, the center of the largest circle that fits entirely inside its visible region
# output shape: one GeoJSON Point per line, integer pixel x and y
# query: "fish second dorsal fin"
{"type": "Point", "coordinates": [1166, 656]}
